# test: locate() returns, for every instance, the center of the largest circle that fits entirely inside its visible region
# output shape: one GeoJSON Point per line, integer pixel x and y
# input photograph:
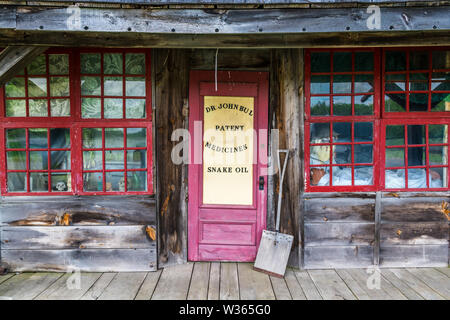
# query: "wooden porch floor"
{"type": "Point", "coordinates": [227, 281]}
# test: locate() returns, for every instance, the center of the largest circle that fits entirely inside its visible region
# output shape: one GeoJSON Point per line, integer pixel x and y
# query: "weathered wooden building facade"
{"type": "Point", "coordinates": [93, 93]}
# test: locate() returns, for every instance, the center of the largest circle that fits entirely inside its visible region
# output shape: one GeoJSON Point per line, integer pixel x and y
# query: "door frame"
{"type": "Point", "coordinates": [261, 80]}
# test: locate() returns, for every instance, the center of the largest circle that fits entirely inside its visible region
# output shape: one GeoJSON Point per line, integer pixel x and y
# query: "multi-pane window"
{"type": "Point", "coordinates": [95, 137]}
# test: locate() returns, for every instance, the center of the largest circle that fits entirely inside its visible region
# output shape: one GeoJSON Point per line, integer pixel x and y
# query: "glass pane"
{"type": "Point", "coordinates": [135, 87]}
{"type": "Point", "coordinates": [363, 175]}
{"type": "Point", "coordinates": [16, 108]}
{"type": "Point", "coordinates": [37, 87]}
{"type": "Point", "coordinates": [416, 134]}
{"type": "Point", "coordinates": [395, 157]}
{"type": "Point", "coordinates": [137, 180]}
{"type": "Point", "coordinates": [90, 63]}
{"type": "Point", "coordinates": [363, 153]}
{"type": "Point", "coordinates": [93, 181]}
{"type": "Point", "coordinates": [416, 156]}
{"type": "Point", "coordinates": [395, 86]}
{"type": "Point", "coordinates": [395, 179]}
{"type": "Point", "coordinates": [92, 160]}
{"type": "Point", "coordinates": [114, 138]}
{"type": "Point", "coordinates": [59, 87]}
{"type": "Point", "coordinates": [90, 86]}
{"type": "Point", "coordinates": [135, 109]}
{"type": "Point", "coordinates": [363, 83]}
{"type": "Point", "coordinates": [418, 102]}
{"type": "Point", "coordinates": [418, 60]}
{"type": "Point", "coordinates": [113, 86]}
{"type": "Point", "coordinates": [441, 60]}
{"type": "Point", "coordinates": [59, 138]}
{"type": "Point", "coordinates": [37, 138]}
{"type": "Point", "coordinates": [92, 138]}
{"type": "Point", "coordinates": [342, 105]}
{"type": "Point", "coordinates": [417, 178]}
{"type": "Point", "coordinates": [61, 182]}
{"type": "Point", "coordinates": [395, 61]}
{"type": "Point", "coordinates": [38, 108]}
{"type": "Point", "coordinates": [58, 63]}
{"type": "Point", "coordinates": [60, 107]}
{"type": "Point", "coordinates": [395, 102]}
{"type": "Point", "coordinates": [114, 160]}
{"type": "Point", "coordinates": [38, 182]}
{"type": "Point", "coordinates": [113, 108]}
{"type": "Point", "coordinates": [136, 137]}
{"type": "Point", "coordinates": [438, 177]}
{"type": "Point", "coordinates": [320, 132]}
{"type": "Point", "coordinates": [342, 176]}
{"type": "Point", "coordinates": [320, 62]}
{"type": "Point", "coordinates": [437, 133]}
{"type": "Point", "coordinates": [37, 67]}
{"type": "Point", "coordinates": [364, 61]}
{"type": "Point", "coordinates": [136, 159]}
{"type": "Point", "coordinates": [112, 63]}
{"type": "Point", "coordinates": [320, 84]}
{"type": "Point", "coordinates": [17, 182]}
{"type": "Point", "coordinates": [342, 132]}
{"type": "Point", "coordinates": [440, 102]}
{"type": "Point", "coordinates": [363, 131]}
{"type": "Point", "coordinates": [115, 181]}
{"type": "Point", "coordinates": [135, 63]}
{"type": "Point", "coordinates": [438, 155]}
{"type": "Point", "coordinates": [395, 135]}
{"type": "Point", "coordinates": [90, 108]}
{"type": "Point", "coordinates": [38, 160]}
{"type": "Point", "coordinates": [320, 176]}
{"type": "Point", "coordinates": [342, 84]}
{"type": "Point", "coordinates": [15, 88]}
{"type": "Point", "coordinates": [319, 154]}
{"type": "Point", "coordinates": [15, 138]}
{"type": "Point", "coordinates": [342, 154]}
{"type": "Point", "coordinates": [16, 160]}
{"type": "Point", "coordinates": [320, 106]}
{"type": "Point", "coordinates": [60, 160]}
{"type": "Point", "coordinates": [342, 61]}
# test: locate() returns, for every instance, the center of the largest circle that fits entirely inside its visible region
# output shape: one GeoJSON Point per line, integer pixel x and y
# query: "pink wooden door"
{"type": "Point", "coordinates": [228, 160]}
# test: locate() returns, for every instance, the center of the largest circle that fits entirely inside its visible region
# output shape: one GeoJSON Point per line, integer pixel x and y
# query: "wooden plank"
{"type": "Point", "coordinates": [124, 286]}
{"type": "Point", "coordinates": [7, 18]}
{"type": "Point", "coordinates": [294, 287]}
{"type": "Point", "coordinates": [374, 293]}
{"type": "Point", "coordinates": [413, 209]}
{"type": "Point", "coordinates": [69, 287]}
{"type": "Point", "coordinates": [174, 283]}
{"type": "Point", "coordinates": [14, 59]}
{"type": "Point", "coordinates": [445, 271]}
{"type": "Point", "coordinates": [229, 283]}
{"type": "Point", "coordinates": [214, 281]}
{"type": "Point", "coordinates": [414, 233]}
{"type": "Point", "coordinates": [198, 289]}
{"type": "Point", "coordinates": [71, 237]}
{"type": "Point", "coordinates": [245, 59]}
{"type": "Point", "coordinates": [399, 256]}
{"type": "Point", "coordinates": [339, 210]}
{"type": "Point", "coordinates": [407, 291]}
{"type": "Point", "coordinates": [376, 246]}
{"type": "Point", "coordinates": [99, 286]}
{"type": "Point", "coordinates": [434, 279]}
{"type": "Point", "coordinates": [308, 286]}
{"type": "Point", "coordinates": [5, 277]}
{"type": "Point", "coordinates": [336, 234]}
{"type": "Point", "coordinates": [330, 285]}
{"type": "Point", "coordinates": [355, 286]}
{"type": "Point", "coordinates": [330, 257]}
{"type": "Point", "coordinates": [280, 288]}
{"type": "Point", "coordinates": [254, 285]}
{"type": "Point", "coordinates": [88, 260]}
{"type": "Point", "coordinates": [416, 284]}
{"type": "Point", "coordinates": [149, 285]}
{"type": "Point", "coordinates": [27, 286]}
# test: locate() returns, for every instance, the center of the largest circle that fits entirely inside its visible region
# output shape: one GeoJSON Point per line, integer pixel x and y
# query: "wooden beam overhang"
{"type": "Point", "coordinates": [277, 28]}
{"type": "Point", "coordinates": [14, 59]}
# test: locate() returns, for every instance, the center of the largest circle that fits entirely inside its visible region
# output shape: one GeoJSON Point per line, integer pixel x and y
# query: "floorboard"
{"type": "Point", "coordinates": [294, 287]}
{"type": "Point", "coordinates": [69, 287]}
{"type": "Point", "coordinates": [174, 283]}
{"type": "Point", "coordinates": [99, 286]}
{"type": "Point", "coordinates": [148, 286]}
{"type": "Point", "coordinates": [254, 285]}
{"type": "Point", "coordinates": [229, 282]}
{"type": "Point", "coordinates": [308, 286]}
{"type": "Point", "coordinates": [330, 285]}
{"type": "Point", "coordinates": [214, 282]}
{"type": "Point", "coordinates": [434, 279]}
{"type": "Point", "coordinates": [27, 286]}
{"type": "Point", "coordinates": [354, 285]}
{"type": "Point", "coordinates": [445, 271]}
{"type": "Point", "coordinates": [5, 277]}
{"type": "Point", "coordinates": [280, 288]}
{"type": "Point", "coordinates": [406, 290]}
{"type": "Point", "coordinates": [198, 289]}
{"type": "Point", "coordinates": [416, 284]}
{"type": "Point", "coordinates": [124, 286]}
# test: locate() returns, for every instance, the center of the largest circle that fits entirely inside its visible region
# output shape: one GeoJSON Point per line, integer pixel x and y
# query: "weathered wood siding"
{"type": "Point", "coordinates": [78, 233]}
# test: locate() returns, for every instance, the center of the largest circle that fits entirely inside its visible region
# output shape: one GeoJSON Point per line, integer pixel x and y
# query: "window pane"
{"type": "Point", "coordinates": [61, 182]}
{"type": "Point", "coordinates": [59, 87]}
{"type": "Point", "coordinates": [395, 61]}
{"type": "Point", "coordinates": [112, 63]}
{"type": "Point", "coordinates": [17, 182]}
{"type": "Point", "coordinates": [92, 138]}
{"type": "Point", "coordinates": [417, 178]}
{"type": "Point", "coordinates": [395, 135]}
{"type": "Point", "coordinates": [441, 60]}
{"type": "Point", "coordinates": [114, 160]}
{"type": "Point", "coordinates": [90, 108]}
{"type": "Point", "coordinates": [135, 109]}
{"type": "Point", "coordinates": [363, 131]}
{"type": "Point", "coordinates": [342, 154]}
{"type": "Point", "coordinates": [38, 107]}
{"type": "Point", "coordinates": [38, 160]}
{"type": "Point", "coordinates": [342, 176]}
{"type": "Point", "coordinates": [114, 138]}
{"type": "Point", "coordinates": [113, 108]}
{"type": "Point", "coordinates": [115, 181]}
{"type": "Point", "coordinates": [342, 105]}
{"type": "Point", "coordinates": [418, 102]}
{"type": "Point", "coordinates": [342, 62]}
{"type": "Point", "coordinates": [37, 87]}
{"type": "Point", "coordinates": [15, 138]}
{"type": "Point", "coordinates": [320, 176]}
{"type": "Point", "coordinates": [342, 131]}
{"type": "Point", "coordinates": [438, 155]}
{"type": "Point", "coordinates": [90, 86]}
{"type": "Point", "coordinates": [395, 179]}
{"type": "Point", "coordinates": [440, 102]}
{"type": "Point", "coordinates": [364, 61]}
{"type": "Point", "coordinates": [416, 156]}
{"type": "Point", "coordinates": [92, 160]}
{"type": "Point", "coordinates": [93, 181]}
{"type": "Point", "coordinates": [320, 84]}
{"type": "Point", "coordinates": [395, 86]}
{"type": "Point", "coordinates": [37, 66]}
{"type": "Point", "coordinates": [38, 182]}
{"type": "Point", "coordinates": [37, 138]}
{"type": "Point", "coordinates": [60, 107]}
{"type": "Point", "coordinates": [136, 137]}
{"type": "Point", "coordinates": [416, 134]}
{"type": "Point", "coordinates": [135, 63]}
{"type": "Point", "coordinates": [395, 102]}
{"type": "Point", "coordinates": [319, 155]}
{"type": "Point", "coordinates": [137, 181]}
{"type": "Point", "coordinates": [320, 106]}
{"type": "Point", "coordinates": [437, 133]}
{"type": "Point", "coordinates": [58, 63]}
{"type": "Point", "coordinates": [320, 62]}
{"type": "Point", "coordinates": [342, 84]}
{"type": "Point", "coordinates": [136, 159]}
{"type": "Point", "coordinates": [363, 153]}
{"type": "Point", "coordinates": [16, 160]}
{"type": "Point", "coordinates": [16, 108]}
{"type": "Point", "coordinates": [438, 177]}
{"type": "Point", "coordinates": [15, 88]}
{"type": "Point", "coordinates": [59, 138]}
{"type": "Point", "coordinates": [135, 87]}
{"type": "Point", "coordinates": [395, 157]}
{"type": "Point", "coordinates": [363, 83]}
{"type": "Point", "coordinates": [418, 60]}
{"type": "Point", "coordinates": [90, 63]}
{"type": "Point", "coordinates": [113, 86]}
{"type": "Point", "coordinates": [320, 132]}
{"type": "Point", "coordinates": [60, 160]}
{"type": "Point", "coordinates": [363, 175]}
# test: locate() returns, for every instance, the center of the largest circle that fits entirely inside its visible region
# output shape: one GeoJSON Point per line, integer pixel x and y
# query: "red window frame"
{"type": "Point", "coordinates": [76, 123]}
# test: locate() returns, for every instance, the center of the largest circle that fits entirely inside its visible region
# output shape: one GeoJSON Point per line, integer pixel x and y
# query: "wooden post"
{"type": "Point", "coordinates": [171, 92]}
{"type": "Point", "coordinates": [286, 114]}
